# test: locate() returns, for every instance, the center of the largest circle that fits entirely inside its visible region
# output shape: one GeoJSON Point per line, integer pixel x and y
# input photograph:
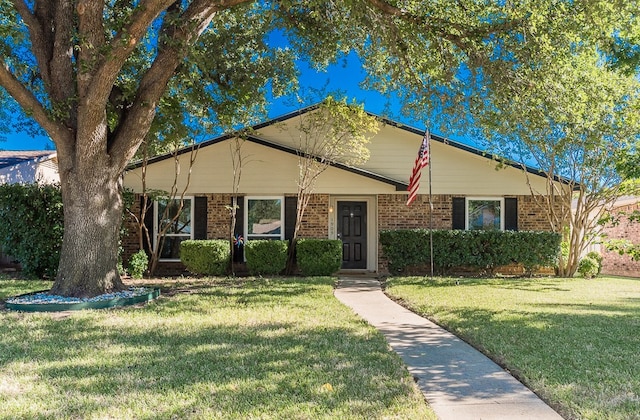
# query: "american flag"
{"type": "Point", "coordinates": [422, 160]}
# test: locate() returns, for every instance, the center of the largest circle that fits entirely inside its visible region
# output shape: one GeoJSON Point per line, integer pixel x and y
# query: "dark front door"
{"type": "Point", "coordinates": [352, 230]}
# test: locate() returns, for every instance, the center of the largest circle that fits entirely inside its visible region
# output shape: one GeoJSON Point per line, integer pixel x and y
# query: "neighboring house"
{"type": "Point", "coordinates": [25, 167]}
{"type": "Point", "coordinates": [612, 262]}
{"type": "Point", "coordinates": [349, 203]}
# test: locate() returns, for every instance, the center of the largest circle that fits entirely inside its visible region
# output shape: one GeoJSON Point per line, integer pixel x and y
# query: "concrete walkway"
{"type": "Point", "coordinates": [458, 381]}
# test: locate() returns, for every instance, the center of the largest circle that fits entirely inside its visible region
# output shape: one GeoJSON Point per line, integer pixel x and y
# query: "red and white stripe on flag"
{"type": "Point", "coordinates": [422, 160]}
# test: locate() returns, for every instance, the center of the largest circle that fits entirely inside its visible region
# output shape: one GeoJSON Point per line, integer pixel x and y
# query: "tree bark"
{"type": "Point", "coordinates": [93, 208]}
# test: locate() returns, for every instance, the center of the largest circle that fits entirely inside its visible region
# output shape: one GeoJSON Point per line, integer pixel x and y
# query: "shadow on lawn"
{"type": "Point", "coordinates": [150, 360]}
{"type": "Point", "coordinates": [583, 355]}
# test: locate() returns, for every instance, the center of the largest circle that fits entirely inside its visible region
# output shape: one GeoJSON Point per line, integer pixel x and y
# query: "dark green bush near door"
{"type": "Point", "coordinates": [209, 257]}
{"type": "Point", "coordinates": [465, 248]}
{"type": "Point", "coordinates": [319, 257]}
{"type": "Point", "coordinates": [265, 256]}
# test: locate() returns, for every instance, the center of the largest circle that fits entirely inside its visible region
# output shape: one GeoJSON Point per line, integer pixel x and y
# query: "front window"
{"type": "Point", "coordinates": [264, 218]}
{"type": "Point", "coordinates": [485, 213]}
{"type": "Point", "coordinates": [172, 225]}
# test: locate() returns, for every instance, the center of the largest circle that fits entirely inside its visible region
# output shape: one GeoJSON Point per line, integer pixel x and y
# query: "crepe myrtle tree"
{"type": "Point", "coordinates": [96, 76]}
{"type": "Point", "coordinates": [578, 122]}
{"type": "Point", "coordinates": [334, 132]}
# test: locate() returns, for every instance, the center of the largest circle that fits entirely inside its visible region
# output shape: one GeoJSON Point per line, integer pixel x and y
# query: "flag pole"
{"type": "Point", "coordinates": [414, 183]}
{"type": "Point", "coordinates": [430, 206]}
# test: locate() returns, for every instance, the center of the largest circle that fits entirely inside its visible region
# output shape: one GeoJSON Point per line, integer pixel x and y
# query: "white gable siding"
{"type": "Point", "coordinates": [393, 151]}
{"type": "Point", "coordinates": [265, 171]}
{"type": "Point", "coordinates": [455, 171]}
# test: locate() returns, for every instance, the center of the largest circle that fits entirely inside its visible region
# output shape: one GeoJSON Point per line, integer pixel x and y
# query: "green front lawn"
{"type": "Point", "coordinates": [278, 348]}
{"type": "Point", "coordinates": [575, 342]}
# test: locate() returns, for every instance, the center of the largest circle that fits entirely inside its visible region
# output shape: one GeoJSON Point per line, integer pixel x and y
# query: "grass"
{"type": "Point", "coordinates": [269, 348]}
{"type": "Point", "coordinates": [575, 342]}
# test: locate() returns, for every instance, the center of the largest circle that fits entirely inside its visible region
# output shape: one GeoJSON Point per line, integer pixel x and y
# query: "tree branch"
{"type": "Point", "coordinates": [182, 32]}
{"type": "Point", "coordinates": [30, 104]}
{"type": "Point", "coordinates": [41, 41]}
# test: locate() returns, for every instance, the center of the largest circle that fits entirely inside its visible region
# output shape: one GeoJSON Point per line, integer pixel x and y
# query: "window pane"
{"type": "Point", "coordinates": [171, 247]}
{"type": "Point", "coordinates": [167, 210]}
{"type": "Point", "coordinates": [264, 216]}
{"type": "Point", "coordinates": [484, 215]}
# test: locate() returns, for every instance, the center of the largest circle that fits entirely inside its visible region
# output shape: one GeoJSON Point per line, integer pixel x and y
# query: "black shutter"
{"type": "Point", "coordinates": [510, 214]}
{"type": "Point", "coordinates": [458, 215]}
{"type": "Point", "coordinates": [238, 252]}
{"type": "Point", "coordinates": [148, 223]}
{"type": "Point", "coordinates": [290, 204]}
{"type": "Point", "coordinates": [200, 218]}
{"type": "Point", "coordinates": [239, 228]}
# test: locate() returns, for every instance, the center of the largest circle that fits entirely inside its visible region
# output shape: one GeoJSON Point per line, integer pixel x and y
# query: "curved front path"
{"type": "Point", "coordinates": [458, 381]}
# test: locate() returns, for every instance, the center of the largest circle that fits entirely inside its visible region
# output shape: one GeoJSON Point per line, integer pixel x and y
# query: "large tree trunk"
{"type": "Point", "coordinates": [92, 217]}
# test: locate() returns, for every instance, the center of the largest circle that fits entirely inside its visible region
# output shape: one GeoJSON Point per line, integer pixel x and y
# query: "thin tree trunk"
{"type": "Point", "coordinates": [92, 217]}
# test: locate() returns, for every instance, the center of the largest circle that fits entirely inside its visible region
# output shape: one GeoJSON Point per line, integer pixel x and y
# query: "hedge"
{"type": "Point", "coordinates": [266, 256]}
{"type": "Point", "coordinates": [469, 248]}
{"type": "Point", "coordinates": [31, 226]}
{"type": "Point", "coordinates": [318, 257]}
{"type": "Point", "coordinates": [208, 257]}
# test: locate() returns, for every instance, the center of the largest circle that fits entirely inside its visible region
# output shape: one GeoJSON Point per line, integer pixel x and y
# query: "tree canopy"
{"type": "Point", "coordinates": [99, 76]}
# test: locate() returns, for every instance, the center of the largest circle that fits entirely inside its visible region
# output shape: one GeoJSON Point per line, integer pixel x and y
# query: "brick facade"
{"type": "Point", "coordinates": [612, 262]}
{"type": "Point", "coordinates": [392, 213]}
{"type": "Point", "coordinates": [531, 216]}
{"type": "Point", "coordinates": [218, 216]}
{"type": "Point", "coordinates": [315, 223]}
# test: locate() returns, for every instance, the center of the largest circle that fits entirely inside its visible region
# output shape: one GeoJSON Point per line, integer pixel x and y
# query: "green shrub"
{"type": "Point", "coordinates": [318, 257]}
{"type": "Point", "coordinates": [461, 248]}
{"type": "Point", "coordinates": [138, 264]}
{"type": "Point", "coordinates": [31, 226]}
{"type": "Point", "coordinates": [266, 256]}
{"type": "Point", "coordinates": [588, 267]}
{"type": "Point", "coordinates": [598, 257]}
{"type": "Point", "coordinates": [208, 257]}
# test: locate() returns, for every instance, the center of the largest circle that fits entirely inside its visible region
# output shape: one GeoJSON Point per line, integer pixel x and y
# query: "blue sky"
{"type": "Point", "coordinates": [345, 76]}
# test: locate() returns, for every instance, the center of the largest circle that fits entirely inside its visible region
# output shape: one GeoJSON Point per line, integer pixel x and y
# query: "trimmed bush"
{"type": "Point", "coordinates": [474, 248]}
{"type": "Point", "coordinates": [208, 257]}
{"type": "Point", "coordinates": [319, 257]}
{"type": "Point", "coordinates": [598, 257]}
{"type": "Point", "coordinates": [32, 226]}
{"type": "Point", "coordinates": [138, 264]}
{"type": "Point", "coordinates": [588, 267]}
{"type": "Point", "coordinates": [266, 256]}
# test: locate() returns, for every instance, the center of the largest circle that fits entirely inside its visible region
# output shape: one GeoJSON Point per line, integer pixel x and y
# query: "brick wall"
{"type": "Point", "coordinates": [218, 216]}
{"type": "Point", "coordinates": [315, 223]}
{"type": "Point", "coordinates": [393, 212]}
{"type": "Point", "coordinates": [531, 216]}
{"type": "Point", "coordinates": [612, 262]}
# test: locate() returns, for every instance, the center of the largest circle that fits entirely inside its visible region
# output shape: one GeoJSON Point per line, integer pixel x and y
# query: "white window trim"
{"type": "Point", "coordinates": [466, 209]}
{"type": "Point", "coordinates": [155, 225]}
{"type": "Point", "coordinates": [245, 228]}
